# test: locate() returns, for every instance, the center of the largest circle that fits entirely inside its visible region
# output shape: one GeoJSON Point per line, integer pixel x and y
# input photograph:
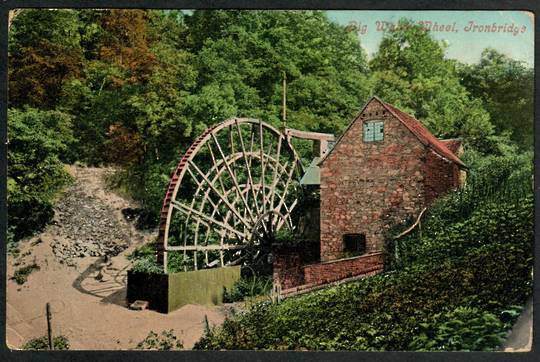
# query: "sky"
{"type": "Point", "coordinates": [513, 35]}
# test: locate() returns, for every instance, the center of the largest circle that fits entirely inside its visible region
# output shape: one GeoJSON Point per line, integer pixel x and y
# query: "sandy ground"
{"type": "Point", "coordinates": [91, 313]}
{"type": "Point", "coordinates": [520, 338]}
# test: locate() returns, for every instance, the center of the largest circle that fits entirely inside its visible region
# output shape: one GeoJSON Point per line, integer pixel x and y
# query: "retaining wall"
{"type": "Point", "coordinates": [292, 275]}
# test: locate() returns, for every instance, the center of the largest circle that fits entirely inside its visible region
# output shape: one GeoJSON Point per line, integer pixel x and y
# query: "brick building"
{"type": "Point", "coordinates": [385, 168]}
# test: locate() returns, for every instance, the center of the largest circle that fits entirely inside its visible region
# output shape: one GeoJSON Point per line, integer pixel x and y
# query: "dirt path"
{"type": "Point", "coordinates": [520, 338]}
{"type": "Point", "coordinates": [87, 293]}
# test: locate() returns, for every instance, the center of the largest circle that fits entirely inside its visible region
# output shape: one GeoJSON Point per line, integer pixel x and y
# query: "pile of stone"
{"type": "Point", "coordinates": [86, 227]}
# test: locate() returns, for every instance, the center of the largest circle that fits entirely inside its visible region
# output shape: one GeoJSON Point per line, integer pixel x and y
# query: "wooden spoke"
{"type": "Point", "coordinates": [206, 219]}
{"type": "Point", "coordinates": [248, 165]}
{"type": "Point", "coordinates": [225, 198]}
{"type": "Point", "coordinates": [211, 185]}
{"type": "Point", "coordinates": [261, 137]}
{"type": "Point", "coordinates": [235, 181]}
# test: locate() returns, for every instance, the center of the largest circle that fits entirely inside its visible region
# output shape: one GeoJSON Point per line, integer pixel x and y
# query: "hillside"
{"type": "Point", "coordinates": [82, 264]}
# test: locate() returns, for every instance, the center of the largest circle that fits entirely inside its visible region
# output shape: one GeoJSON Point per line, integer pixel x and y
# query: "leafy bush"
{"type": "Point", "coordinates": [248, 287]}
{"type": "Point", "coordinates": [463, 329]}
{"type": "Point", "coordinates": [144, 260]}
{"type": "Point", "coordinates": [178, 262]}
{"type": "Point", "coordinates": [494, 184]}
{"type": "Point", "coordinates": [284, 236]}
{"type": "Point", "coordinates": [21, 275]}
{"type": "Point", "coordinates": [147, 265]}
{"type": "Point", "coordinates": [38, 141]}
{"type": "Point", "coordinates": [142, 251]}
{"type": "Point", "coordinates": [42, 343]}
{"type": "Point", "coordinates": [164, 342]}
{"type": "Point", "coordinates": [489, 268]}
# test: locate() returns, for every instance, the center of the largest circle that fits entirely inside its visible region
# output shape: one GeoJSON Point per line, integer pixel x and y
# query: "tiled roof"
{"type": "Point", "coordinates": [453, 145]}
{"type": "Point", "coordinates": [426, 137]}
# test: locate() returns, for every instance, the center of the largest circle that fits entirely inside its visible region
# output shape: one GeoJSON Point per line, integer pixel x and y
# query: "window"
{"type": "Point", "coordinates": [354, 244]}
{"type": "Point", "coordinates": [373, 131]}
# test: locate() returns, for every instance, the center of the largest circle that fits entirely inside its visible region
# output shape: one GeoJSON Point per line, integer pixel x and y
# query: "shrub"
{"type": "Point", "coordinates": [147, 264]}
{"type": "Point", "coordinates": [42, 343]}
{"type": "Point", "coordinates": [463, 329]}
{"type": "Point", "coordinates": [38, 142]}
{"type": "Point", "coordinates": [248, 287]}
{"type": "Point", "coordinates": [495, 187]}
{"type": "Point", "coordinates": [164, 342]}
{"type": "Point", "coordinates": [488, 270]}
{"type": "Point", "coordinates": [142, 251]}
{"type": "Point", "coordinates": [144, 260]}
{"type": "Point", "coordinates": [21, 275]}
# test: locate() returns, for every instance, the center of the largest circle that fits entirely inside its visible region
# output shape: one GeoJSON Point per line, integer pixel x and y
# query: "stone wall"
{"type": "Point", "coordinates": [367, 187]}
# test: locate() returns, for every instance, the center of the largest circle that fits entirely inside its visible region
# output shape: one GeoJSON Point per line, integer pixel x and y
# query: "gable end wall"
{"type": "Point", "coordinates": [367, 187]}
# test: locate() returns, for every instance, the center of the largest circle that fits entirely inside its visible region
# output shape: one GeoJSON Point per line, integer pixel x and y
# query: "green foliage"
{"type": "Point", "coordinates": [411, 72]}
{"type": "Point", "coordinates": [505, 88]}
{"type": "Point", "coordinates": [21, 275]}
{"type": "Point", "coordinates": [42, 343]}
{"type": "Point", "coordinates": [144, 259]}
{"type": "Point", "coordinates": [463, 329]}
{"type": "Point", "coordinates": [284, 236]}
{"type": "Point", "coordinates": [248, 287]}
{"type": "Point", "coordinates": [38, 141]}
{"type": "Point", "coordinates": [178, 262]}
{"type": "Point", "coordinates": [455, 289]}
{"type": "Point", "coordinates": [166, 341]}
{"type": "Point", "coordinates": [44, 52]}
{"type": "Point", "coordinates": [485, 207]}
{"type": "Point", "coordinates": [142, 251]}
{"type": "Point", "coordinates": [147, 264]}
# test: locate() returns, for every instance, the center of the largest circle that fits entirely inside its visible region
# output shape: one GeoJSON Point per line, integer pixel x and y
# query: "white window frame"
{"type": "Point", "coordinates": [373, 131]}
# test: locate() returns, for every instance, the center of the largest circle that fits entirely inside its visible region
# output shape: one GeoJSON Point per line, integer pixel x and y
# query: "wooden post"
{"type": "Point", "coordinates": [284, 115]}
{"type": "Point", "coordinates": [49, 330]}
{"type": "Point", "coordinates": [206, 326]}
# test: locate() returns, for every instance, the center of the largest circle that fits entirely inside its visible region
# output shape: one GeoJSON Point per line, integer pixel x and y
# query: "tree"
{"type": "Point", "coordinates": [233, 66]}
{"type": "Point", "coordinates": [410, 71]}
{"type": "Point", "coordinates": [37, 142]}
{"type": "Point", "coordinates": [241, 56]}
{"type": "Point", "coordinates": [44, 52]}
{"type": "Point", "coordinates": [505, 87]}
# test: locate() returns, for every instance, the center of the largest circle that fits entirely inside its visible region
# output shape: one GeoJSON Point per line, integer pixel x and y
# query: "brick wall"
{"type": "Point", "coordinates": [292, 275]}
{"type": "Point", "coordinates": [441, 176]}
{"type": "Point", "coordinates": [331, 271]}
{"type": "Point", "coordinates": [367, 187]}
{"type": "Point", "coordinates": [287, 268]}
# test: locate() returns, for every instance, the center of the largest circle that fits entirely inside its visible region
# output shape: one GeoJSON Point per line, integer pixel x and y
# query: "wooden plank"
{"type": "Point", "coordinates": [212, 247]}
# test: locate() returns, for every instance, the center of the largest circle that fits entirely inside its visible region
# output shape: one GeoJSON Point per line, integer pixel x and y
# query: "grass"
{"type": "Point", "coordinates": [42, 343]}
{"type": "Point", "coordinates": [21, 275]}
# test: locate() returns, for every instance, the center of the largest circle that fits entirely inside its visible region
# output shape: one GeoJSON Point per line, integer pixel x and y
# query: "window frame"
{"type": "Point", "coordinates": [372, 136]}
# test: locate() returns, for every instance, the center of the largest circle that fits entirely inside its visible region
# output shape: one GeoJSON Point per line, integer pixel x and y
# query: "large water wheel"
{"type": "Point", "coordinates": [233, 189]}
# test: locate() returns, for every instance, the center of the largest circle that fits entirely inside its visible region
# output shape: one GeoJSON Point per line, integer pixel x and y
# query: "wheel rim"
{"type": "Point", "coordinates": [237, 173]}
